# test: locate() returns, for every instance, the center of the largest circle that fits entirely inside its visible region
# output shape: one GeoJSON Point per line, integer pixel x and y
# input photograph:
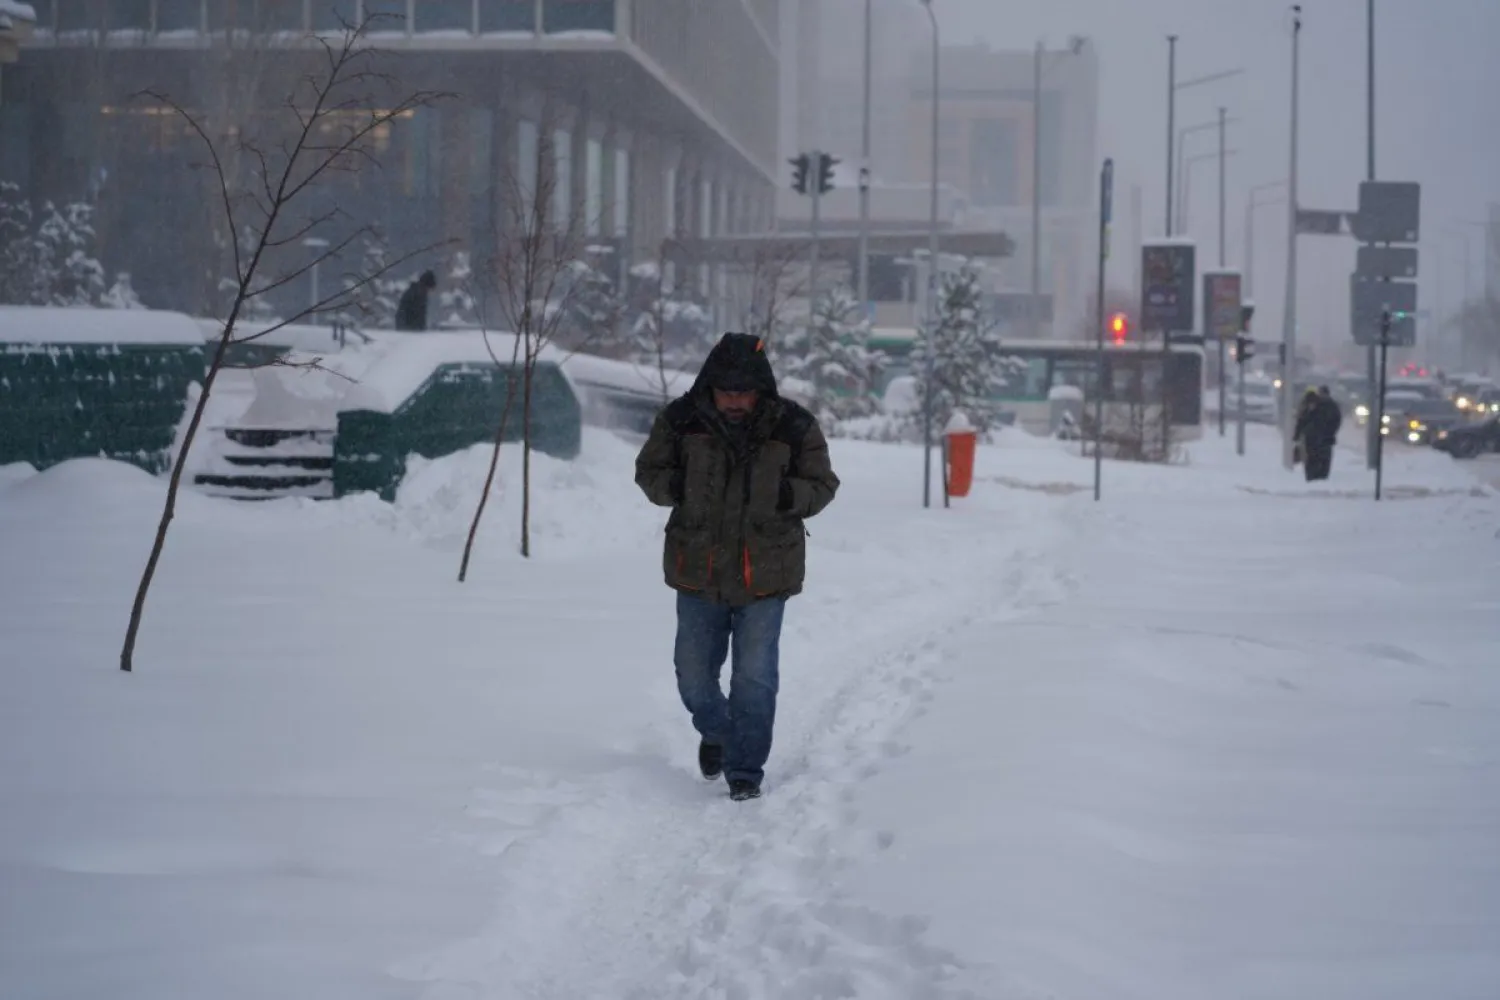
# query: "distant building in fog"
{"type": "Point", "coordinates": [663, 116]}
{"type": "Point", "coordinates": [987, 110]}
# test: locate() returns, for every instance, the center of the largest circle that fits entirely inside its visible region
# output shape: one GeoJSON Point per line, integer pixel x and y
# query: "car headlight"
{"type": "Point", "coordinates": [1417, 425]}
{"type": "Point", "coordinates": [1276, 384]}
{"type": "Point", "coordinates": [1385, 418]}
{"type": "Point", "coordinates": [1442, 435]}
{"type": "Point", "coordinates": [1462, 403]}
{"type": "Point", "coordinates": [1413, 437]}
{"type": "Point", "coordinates": [1361, 410]}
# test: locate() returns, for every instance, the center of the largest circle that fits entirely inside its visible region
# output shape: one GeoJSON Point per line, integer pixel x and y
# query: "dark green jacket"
{"type": "Point", "coordinates": [731, 538]}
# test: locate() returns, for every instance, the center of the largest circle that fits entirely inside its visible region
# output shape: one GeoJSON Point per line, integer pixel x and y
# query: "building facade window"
{"type": "Point", "coordinates": [385, 15]}
{"type": "Point", "coordinates": [129, 15]}
{"type": "Point", "coordinates": [445, 15]}
{"type": "Point", "coordinates": [994, 151]}
{"type": "Point", "coordinates": [527, 161]}
{"type": "Point", "coordinates": [332, 15]}
{"type": "Point", "coordinates": [578, 15]}
{"type": "Point", "coordinates": [268, 15]}
{"type": "Point", "coordinates": [622, 193]}
{"type": "Point", "coordinates": [562, 178]}
{"type": "Point", "coordinates": [669, 202]}
{"type": "Point", "coordinates": [593, 188]}
{"type": "Point", "coordinates": [507, 15]}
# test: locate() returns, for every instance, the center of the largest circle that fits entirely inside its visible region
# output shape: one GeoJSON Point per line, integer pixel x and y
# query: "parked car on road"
{"type": "Point", "coordinates": [1470, 440]}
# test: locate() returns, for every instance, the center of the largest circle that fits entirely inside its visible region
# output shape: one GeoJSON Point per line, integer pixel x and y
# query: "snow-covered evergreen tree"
{"type": "Point", "coordinates": [970, 366]}
{"type": "Point", "coordinates": [595, 306]}
{"type": "Point", "coordinates": [47, 259]}
{"type": "Point", "coordinates": [121, 294]}
{"type": "Point", "coordinates": [833, 356]}
{"type": "Point", "coordinates": [456, 303]}
{"type": "Point", "coordinates": [665, 327]}
{"type": "Point", "coordinates": [373, 304]}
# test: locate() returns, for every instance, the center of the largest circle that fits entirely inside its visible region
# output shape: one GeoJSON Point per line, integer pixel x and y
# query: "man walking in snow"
{"type": "Point", "coordinates": [741, 468]}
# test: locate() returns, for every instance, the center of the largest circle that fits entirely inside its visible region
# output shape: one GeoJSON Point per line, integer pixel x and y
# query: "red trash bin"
{"type": "Point", "coordinates": [963, 440]}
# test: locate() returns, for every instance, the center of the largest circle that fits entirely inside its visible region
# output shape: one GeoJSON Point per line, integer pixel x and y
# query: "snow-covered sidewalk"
{"type": "Point", "coordinates": [1027, 746]}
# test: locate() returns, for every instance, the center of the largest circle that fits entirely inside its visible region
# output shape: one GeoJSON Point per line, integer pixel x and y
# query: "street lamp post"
{"type": "Point", "coordinates": [932, 267]}
{"type": "Point", "coordinates": [864, 169]}
{"type": "Point", "coordinates": [1182, 136]}
{"type": "Point", "coordinates": [317, 245]}
{"type": "Point", "coordinates": [1173, 86]}
{"type": "Point", "coordinates": [1033, 310]}
{"type": "Point", "coordinates": [1289, 306]}
{"type": "Point", "coordinates": [1184, 217]}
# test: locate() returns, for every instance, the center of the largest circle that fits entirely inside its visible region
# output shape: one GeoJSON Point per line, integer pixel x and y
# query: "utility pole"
{"type": "Point", "coordinates": [1372, 429]}
{"type": "Point", "coordinates": [932, 267]}
{"type": "Point", "coordinates": [1223, 375]}
{"type": "Point", "coordinates": [1171, 119]}
{"type": "Point", "coordinates": [864, 168]}
{"type": "Point", "coordinates": [1106, 212]}
{"type": "Point", "coordinates": [1033, 309]}
{"type": "Point", "coordinates": [1289, 307]}
{"type": "Point", "coordinates": [816, 190]}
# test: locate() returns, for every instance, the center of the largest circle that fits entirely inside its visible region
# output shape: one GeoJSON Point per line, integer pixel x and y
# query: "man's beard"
{"type": "Point", "coordinates": [736, 416]}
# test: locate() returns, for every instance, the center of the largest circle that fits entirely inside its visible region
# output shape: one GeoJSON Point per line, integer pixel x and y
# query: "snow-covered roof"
{"type": "Point", "coordinates": [59, 325]}
{"type": "Point", "coordinates": [411, 358]}
{"type": "Point", "coordinates": [11, 12]}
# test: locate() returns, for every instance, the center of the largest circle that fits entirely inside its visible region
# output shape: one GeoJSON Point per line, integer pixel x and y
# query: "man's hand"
{"type": "Point", "coordinates": [785, 498]}
{"type": "Point", "coordinates": [678, 486]}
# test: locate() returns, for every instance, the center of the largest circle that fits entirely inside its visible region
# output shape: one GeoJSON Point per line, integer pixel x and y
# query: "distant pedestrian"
{"type": "Point", "coordinates": [740, 467]}
{"type": "Point", "coordinates": [411, 311]}
{"type": "Point", "coordinates": [1318, 423]}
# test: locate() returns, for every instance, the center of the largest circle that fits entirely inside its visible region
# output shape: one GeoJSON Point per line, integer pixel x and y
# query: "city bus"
{"type": "Point", "coordinates": [1132, 377]}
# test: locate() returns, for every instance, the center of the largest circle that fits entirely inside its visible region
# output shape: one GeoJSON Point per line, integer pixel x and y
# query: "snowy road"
{"type": "Point", "coordinates": [1212, 737]}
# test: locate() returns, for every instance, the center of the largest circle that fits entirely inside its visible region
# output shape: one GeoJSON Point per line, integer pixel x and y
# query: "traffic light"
{"type": "Point", "coordinates": [825, 173]}
{"type": "Point", "coordinates": [801, 164]}
{"type": "Point", "coordinates": [1244, 349]}
{"type": "Point", "coordinates": [1119, 327]}
{"type": "Point", "coordinates": [1247, 311]}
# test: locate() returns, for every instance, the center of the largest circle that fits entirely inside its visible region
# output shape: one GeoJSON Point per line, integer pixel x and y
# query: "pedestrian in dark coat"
{"type": "Point", "coordinates": [411, 311]}
{"type": "Point", "coordinates": [1318, 426]}
{"type": "Point", "coordinates": [741, 468]}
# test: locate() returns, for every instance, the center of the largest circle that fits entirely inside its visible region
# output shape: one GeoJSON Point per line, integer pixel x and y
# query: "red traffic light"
{"type": "Point", "coordinates": [1119, 327]}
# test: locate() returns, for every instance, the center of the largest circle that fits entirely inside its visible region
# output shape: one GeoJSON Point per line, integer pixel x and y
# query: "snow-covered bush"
{"type": "Point", "coordinates": [665, 327]}
{"type": "Point", "coordinates": [456, 304]}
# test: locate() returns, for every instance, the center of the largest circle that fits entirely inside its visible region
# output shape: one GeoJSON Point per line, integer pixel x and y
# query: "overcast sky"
{"type": "Point", "coordinates": [1438, 116]}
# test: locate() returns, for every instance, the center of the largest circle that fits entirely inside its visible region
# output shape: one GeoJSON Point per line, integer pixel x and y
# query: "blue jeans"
{"type": "Point", "coordinates": [741, 723]}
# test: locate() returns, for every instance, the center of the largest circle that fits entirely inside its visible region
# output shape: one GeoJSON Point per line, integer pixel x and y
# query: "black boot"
{"type": "Point", "coordinates": [740, 790]}
{"type": "Point", "coordinates": [710, 760]}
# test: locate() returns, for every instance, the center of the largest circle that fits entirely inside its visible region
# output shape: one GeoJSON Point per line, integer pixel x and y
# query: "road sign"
{"type": "Point", "coordinates": [1221, 304]}
{"type": "Point", "coordinates": [1370, 299]}
{"type": "Point", "coordinates": [1167, 272]}
{"type": "Point", "coordinates": [1389, 212]}
{"type": "Point", "coordinates": [1324, 222]}
{"type": "Point", "coordinates": [1386, 262]}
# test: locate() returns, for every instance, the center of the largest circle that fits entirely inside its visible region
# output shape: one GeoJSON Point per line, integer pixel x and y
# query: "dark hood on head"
{"type": "Point", "coordinates": [737, 363]}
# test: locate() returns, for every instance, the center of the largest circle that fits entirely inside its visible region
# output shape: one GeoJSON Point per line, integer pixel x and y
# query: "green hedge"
{"type": "Point", "coordinates": [459, 405]}
{"type": "Point", "coordinates": [118, 401]}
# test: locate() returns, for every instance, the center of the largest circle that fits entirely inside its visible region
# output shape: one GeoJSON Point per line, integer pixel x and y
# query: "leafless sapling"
{"type": "Point", "coordinates": [323, 128]}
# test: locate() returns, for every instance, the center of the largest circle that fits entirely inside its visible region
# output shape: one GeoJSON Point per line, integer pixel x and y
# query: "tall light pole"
{"type": "Point", "coordinates": [1034, 305]}
{"type": "Point", "coordinates": [1182, 137]}
{"type": "Point", "coordinates": [1172, 88]}
{"type": "Point", "coordinates": [1289, 306]}
{"type": "Point", "coordinates": [932, 268]}
{"type": "Point", "coordinates": [864, 168]}
{"type": "Point", "coordinates": [1372, 377]}
{"type": "Point", "coordinates": [1185, 217]}
{"type": "Point", "coordinates": [1223, 203]}
{"type": "Point", "coordinates": [1171, 120]}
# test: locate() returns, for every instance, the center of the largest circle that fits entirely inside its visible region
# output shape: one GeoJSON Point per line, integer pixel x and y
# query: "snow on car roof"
{"type": "Point", "coordinates": [64, 325]}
